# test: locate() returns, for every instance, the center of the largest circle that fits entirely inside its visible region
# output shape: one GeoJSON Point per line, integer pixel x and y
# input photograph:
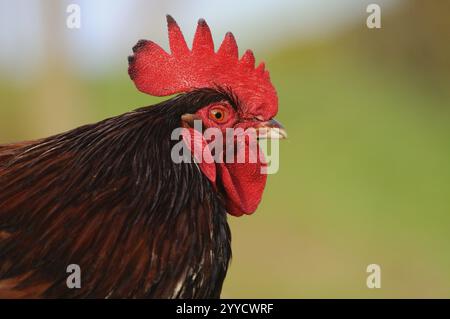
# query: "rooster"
{"type": "Point", "coordinates": [109, 198]}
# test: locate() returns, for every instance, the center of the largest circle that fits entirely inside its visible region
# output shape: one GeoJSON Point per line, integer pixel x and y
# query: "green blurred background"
{"type": "Point", "coordinates": [364, 176]}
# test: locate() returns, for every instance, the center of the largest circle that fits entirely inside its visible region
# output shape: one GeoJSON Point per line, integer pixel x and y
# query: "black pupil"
{"type": "Point", "coordinates": [218, 115]}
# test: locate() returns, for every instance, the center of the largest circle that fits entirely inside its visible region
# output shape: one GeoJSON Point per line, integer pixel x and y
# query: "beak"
{"type": "Point", "coordinates": [188, 119]}
{"type": "Point", "coordinates": [271, 129]}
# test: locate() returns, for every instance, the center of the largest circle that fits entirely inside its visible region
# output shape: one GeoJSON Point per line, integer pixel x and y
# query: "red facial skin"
{"type": "Point", "coordinates": [243, 183]}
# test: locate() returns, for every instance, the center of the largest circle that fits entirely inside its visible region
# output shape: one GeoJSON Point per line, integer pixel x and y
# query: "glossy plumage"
{"type": "Point", "coordinates": [109, 198]}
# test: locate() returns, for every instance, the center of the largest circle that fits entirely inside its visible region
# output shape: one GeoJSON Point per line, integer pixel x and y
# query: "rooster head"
{"type": "Point", "coordinates": [249, 102]}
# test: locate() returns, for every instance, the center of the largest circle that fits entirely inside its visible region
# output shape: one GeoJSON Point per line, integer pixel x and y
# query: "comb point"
{"type": "Point", "coordinates": [261, 68]}
{"type": "Point", "coordinates": [170, 19]}
{"type": "Point", "coordinates": [229, 46]}
{"type": "Point", "coordinates": [139, 45]}
{"type": "Point", "coordinates": [248, 59]}
{"type": "Point", "coordinates": [203, 41]}
{"type": "Point", "coordinates": [177, 42]}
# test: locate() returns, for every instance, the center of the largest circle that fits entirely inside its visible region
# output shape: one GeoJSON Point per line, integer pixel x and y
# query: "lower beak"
{"type": "Point", "coordinates": [271, 129]}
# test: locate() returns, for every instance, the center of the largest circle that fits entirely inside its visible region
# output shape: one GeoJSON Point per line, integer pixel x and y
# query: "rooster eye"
{"type": "Point", "coordinates": [218, 115]}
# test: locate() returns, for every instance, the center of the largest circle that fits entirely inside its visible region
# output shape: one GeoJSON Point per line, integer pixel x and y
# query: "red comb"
{"type": "Point", "coordinates": [158, 73]}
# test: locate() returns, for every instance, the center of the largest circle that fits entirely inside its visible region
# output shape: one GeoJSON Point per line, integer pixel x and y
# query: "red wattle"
{"type": "Point", "coordinates": [243, 183]}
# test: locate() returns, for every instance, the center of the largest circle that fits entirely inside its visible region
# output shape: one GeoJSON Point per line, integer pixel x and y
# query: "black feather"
{"type": "Point", "coordinates": [108, 197]}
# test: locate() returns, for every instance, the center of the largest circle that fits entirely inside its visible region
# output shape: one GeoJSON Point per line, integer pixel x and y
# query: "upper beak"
{"type": "Point", "coordinates": [271, 129]}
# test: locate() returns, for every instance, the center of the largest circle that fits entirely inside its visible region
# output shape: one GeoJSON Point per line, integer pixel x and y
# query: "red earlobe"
{"type": "Point", "coordinates": [200, 151]}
